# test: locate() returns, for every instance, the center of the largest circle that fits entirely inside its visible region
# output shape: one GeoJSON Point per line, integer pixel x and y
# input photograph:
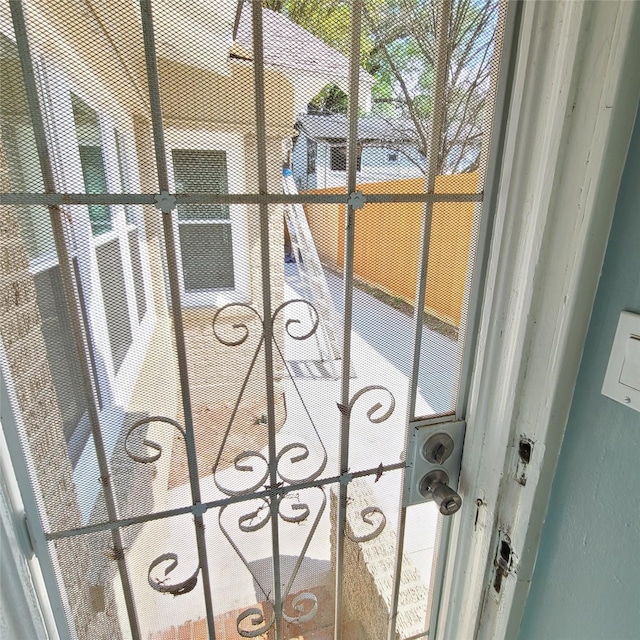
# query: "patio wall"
{"type": "Point", "coordinates": [387, 241]}
{"type": "Point", "coordinates": [368, 570]}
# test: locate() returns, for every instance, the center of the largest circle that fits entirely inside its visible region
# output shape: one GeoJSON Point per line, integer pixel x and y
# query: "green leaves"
{"type": "Point", "coordinates": [398, 47]}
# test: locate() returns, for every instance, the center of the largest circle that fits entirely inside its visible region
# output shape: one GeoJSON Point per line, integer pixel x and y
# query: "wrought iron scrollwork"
{"type": "Point", "coordinates": [256, 519]}
{"type": "Point", "coordinates": [259, 623]}
{"type": "Point", "coordinates": [295, 321]}
{"type": "Point", "coordinates": [346, 410]}
{"type": "Point", "coordinates": [146, 459]}
{"type": "Point", "coordinates": [293, 508]}
{"type": "Point", "coordinates": [292, 327]}
{"type": "Point", "coordinates": [251, 470]}
{"type": "Point", "coordinates": [379, 528]}
{"type": "Point", "coordinates": [299, 458]}
{"type": "Point", "coordinates": [236, 325]}
{"type": "Point", "coordinates": [298, 603]}
{"type": "Point", "coordinates": [178, 588]}
{"type": "Point", "coordinates": [300, 507]}
{"type": "Point", "coordinates": [375, 417]}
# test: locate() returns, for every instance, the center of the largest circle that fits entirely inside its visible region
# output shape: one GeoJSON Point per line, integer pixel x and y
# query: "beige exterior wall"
{"type": "Point", "coordinates": [197, 97]}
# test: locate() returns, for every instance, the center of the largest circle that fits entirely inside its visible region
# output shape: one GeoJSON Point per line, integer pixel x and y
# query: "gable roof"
{"type": "Point", "coordinates": [371, 128]}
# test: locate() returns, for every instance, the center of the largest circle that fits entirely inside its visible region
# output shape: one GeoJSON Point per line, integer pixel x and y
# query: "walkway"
{"type": "Point", "coordinates": [389, 332]}
{"type": "Point", "coordinates": [381, 347]}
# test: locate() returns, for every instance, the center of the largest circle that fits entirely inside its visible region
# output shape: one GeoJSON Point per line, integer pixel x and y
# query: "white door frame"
{"type": "Point", "coordinates": [576, 87]}
{"type": "Point", "coordinates": [232, 143]}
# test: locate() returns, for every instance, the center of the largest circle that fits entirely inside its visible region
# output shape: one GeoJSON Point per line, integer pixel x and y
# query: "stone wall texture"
{"type": "Point", "coordinates": [368, 572]}
{"type": "Point", "coordinates": [41, 425]}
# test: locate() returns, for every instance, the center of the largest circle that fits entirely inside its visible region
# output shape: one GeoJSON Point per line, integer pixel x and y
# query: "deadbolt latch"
{"type": "Point", "coordinates": [434, 456]}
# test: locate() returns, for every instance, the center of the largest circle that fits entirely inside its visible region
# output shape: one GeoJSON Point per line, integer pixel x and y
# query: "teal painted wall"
{"type": "Point", "coordinates": [586, 582]}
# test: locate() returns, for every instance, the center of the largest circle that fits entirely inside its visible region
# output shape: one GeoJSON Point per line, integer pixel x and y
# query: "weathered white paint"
{"type": "Point", "coordinates": [23, 497]}
{"type": "Point", "coordinates": [22, 613]}
{"type": "Point", "coordinates": [586, 582]}
{"type": "Point", "coordinates": [576, 88]}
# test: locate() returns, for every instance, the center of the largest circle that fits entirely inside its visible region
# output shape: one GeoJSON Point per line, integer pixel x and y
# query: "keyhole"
{"type": "Point", "coordinates": [438, 448]}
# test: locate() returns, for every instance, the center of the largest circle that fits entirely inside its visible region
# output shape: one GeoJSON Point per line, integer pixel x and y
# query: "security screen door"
{"type": "Point", "coordinates": [237, 368]}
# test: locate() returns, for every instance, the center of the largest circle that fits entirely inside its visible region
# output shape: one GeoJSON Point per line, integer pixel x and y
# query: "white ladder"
{"type": "Point", "coordinates": [311, 272]}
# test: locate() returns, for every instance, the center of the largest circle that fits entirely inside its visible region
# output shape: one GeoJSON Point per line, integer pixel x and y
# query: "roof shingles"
{"type": "Point", "coordinates": [288, 45]}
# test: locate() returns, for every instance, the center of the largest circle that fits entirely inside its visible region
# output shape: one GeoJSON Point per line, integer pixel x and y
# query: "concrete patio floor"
{"type": "Point", "coordinates": [381, 342]}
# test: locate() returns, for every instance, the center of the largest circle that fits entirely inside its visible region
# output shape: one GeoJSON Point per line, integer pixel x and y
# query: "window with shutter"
{"type": "Point", "coordinates": [204, 229]}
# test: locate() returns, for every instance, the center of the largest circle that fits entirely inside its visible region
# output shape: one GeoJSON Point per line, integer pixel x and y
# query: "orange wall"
{"type": "Point", "coordinates": [387, 241]}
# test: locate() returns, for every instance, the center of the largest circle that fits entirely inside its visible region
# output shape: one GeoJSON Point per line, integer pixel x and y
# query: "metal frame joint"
{"type": "Point", "coordinates": [356, 200]}
{"type": "Point", "coordinates": [165, 201]}
{"type": "Point", "coordinates": [199, 509]}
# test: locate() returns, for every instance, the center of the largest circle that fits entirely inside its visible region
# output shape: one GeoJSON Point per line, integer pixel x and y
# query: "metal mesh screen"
{"type": "Point", "coordinates": [218, 221]}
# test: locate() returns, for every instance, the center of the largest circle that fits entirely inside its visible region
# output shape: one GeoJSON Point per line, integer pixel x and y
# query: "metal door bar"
{"type": "Point", "coordinates": [263, 199]}
{"type": "Point", "coordinates": [176, 303]}
{"type": "Point", "coordinates": [442, 25]}
{"type": "Point", "coordinates": [229, 198]}
{"type": "Point", "coordinates": [73, 304]}
{"type": "Point", "coordinates": [222, 502]}
{"type": "Point", "coordinates": [350, 219]}
{"type": "Point", "coordinates": [265, 259]}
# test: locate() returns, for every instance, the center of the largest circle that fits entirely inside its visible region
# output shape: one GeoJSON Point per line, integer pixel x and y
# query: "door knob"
{"type": "Point", "coordinates": [436, 484]}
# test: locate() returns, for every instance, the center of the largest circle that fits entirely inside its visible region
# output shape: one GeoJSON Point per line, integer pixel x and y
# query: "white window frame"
{"type": "Point", "coordinates": [232, 143]}
{"type": "Point", "coordinates": [23, 575]}
{"type": "Point", "coordinates": [576, 86]}
{"type": "Point", "coordinates": [23, 499]}
{"type": "Point", "coordinates": [116, 386]}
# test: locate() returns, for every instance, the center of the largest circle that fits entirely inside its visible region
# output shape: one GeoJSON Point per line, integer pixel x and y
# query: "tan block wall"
{"type": "Point", "coordinates": [45, 446]}
{"type": "Point", "coordinates": [368, 573]}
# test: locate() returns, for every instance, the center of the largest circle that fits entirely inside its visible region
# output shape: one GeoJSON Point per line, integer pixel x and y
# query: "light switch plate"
{"type": "Point", "coordinates": [622, 380]}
